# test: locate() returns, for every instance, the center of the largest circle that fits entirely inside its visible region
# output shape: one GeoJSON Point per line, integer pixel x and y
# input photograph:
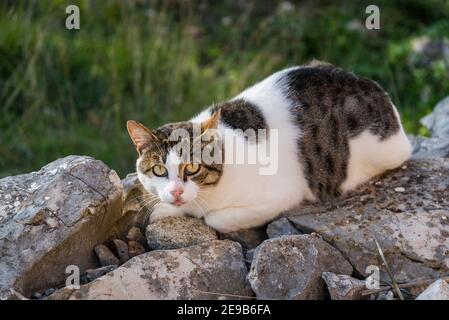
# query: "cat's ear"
{"type": "Point", "coordinates": [212, 122]}
{"type": "Point", "coordinates": [140, 135]}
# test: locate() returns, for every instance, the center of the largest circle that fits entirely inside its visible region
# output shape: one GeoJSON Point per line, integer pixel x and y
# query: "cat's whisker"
{"type": "Point", "coordinates": [151, 202]}
{"type": "Point", "coordinates": [198, 205]}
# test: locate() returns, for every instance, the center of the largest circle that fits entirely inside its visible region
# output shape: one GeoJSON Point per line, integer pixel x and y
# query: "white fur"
{"type": "Point", "coordinates": [243, 198]}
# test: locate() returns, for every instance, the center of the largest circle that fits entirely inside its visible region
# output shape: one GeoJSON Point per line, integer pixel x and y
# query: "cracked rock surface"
{"type": "Point", "coordinates": [212, 270]}
{"type": "Point", "coordinates": [52, 218]}
{"type": "Point", "coordinates": [407, 210]}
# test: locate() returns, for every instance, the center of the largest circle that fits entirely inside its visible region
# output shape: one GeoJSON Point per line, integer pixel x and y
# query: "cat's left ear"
{"type": "Point", "coordinates": [212, 122]}
{"type": "Point", "coordinates": [140, 135]}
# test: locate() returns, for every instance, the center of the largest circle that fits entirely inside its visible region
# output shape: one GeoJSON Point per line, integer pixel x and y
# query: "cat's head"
{"type": "Point", "coordinates": [168, 165]}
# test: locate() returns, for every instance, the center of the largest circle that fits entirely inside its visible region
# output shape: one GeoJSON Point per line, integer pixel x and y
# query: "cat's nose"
{"type": "Point", "coordinates": [177, 192]}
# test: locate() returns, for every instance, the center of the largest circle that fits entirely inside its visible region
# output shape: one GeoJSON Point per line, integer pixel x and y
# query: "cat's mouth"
{"type": "Point", "coordinates": [178, 202]}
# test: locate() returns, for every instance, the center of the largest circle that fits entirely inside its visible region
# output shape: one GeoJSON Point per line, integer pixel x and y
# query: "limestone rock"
{"type": "Point", "coordinates": [438, 124]}
{"type": "Point", "coordinates": [343, 287]}
{"type": "Point", "coordinates": [290, 267]}
{"type": "Point", "coordinates": [53, 218]}
{"type": "Point", "coordinates": [412, 226]}
{"type": "Point", "coordinates": [281, 227]}
{"type": "Point", "coordinates": [439, 290]}
{"type": "Point", "coordinates": [178, 232]}
{"type": "Point", "coordinates": [213, 270]}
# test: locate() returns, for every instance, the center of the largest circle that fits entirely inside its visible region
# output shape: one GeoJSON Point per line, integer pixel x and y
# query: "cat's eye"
{"type": "Point", "coordinates": [159, 170]}
{"type": "Point", "coordinates": [192, 168]}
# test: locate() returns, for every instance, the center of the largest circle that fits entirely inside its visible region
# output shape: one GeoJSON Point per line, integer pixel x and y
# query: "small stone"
{"type": "Point", "coordinates": [49, 291]}
{"type": "Point", "coordinates": [134, 234]}
{"type": "Point", "coordinates": [46, 198]}
{"type": "Point", "coordinates": [343, 287]}
{"type": "Point", "coordinates": [386, 295]}
{"type": "Point", "coordinates": [105, 256]}
{"type": "Point", "coordinates": [178, 232]}
{"type": "Point", "coordinates": [135, 248]}
{"type": "Point", "coordinates": [439, 290]}
{"type": "Point", "coordinates": [120, 249]}
{"type": "Point", "coordinates": [281, 227]}
{"type": "Point", "coordinates": [399, 189]}
{"type": "Point", "coordinates": [36, 295]}
{"type": "Point", "coordinates": [92, 274]}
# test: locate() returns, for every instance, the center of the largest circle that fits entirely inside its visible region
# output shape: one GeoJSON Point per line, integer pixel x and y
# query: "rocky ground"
{"type": "Point", "coordinates": [76, 214]}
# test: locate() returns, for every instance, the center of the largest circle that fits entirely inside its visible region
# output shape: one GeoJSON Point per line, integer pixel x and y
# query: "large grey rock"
{"type": "Point", "coordinates": [178, 232]}
{"type": "Point", "coordinates": [343, 287]}
{"type": "Point", "coordinates": [438, 124]}
{"type": "Point", "coordinates": [213, 270]}
{"type": "Point", "coordinates": [290, 267]}
{"type": "Point", "coordinates": [439, 290]}
{"type": "Point", "coordinates": [53, 218]}
{"type": "Point", "coordinates": [407, 210]}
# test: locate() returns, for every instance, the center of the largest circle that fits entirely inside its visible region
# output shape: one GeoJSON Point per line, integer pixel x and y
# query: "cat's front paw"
{"type": "Point", "coordinates": [164, 210]}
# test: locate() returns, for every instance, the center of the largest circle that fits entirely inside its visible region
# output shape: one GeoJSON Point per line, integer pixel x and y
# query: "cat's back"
{"type": "Point", "coordinates": [350, 129]}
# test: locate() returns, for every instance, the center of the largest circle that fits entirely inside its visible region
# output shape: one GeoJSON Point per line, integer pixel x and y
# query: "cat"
{"type": "Point", "coordinates": [334, 131]}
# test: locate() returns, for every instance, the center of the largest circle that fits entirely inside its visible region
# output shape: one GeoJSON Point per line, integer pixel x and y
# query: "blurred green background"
{"type": "Point", "coordinates": [70, 92]}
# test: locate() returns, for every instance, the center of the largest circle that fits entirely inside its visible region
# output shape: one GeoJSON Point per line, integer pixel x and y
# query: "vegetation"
{"type": "Point", "coordinates": [71, 91]}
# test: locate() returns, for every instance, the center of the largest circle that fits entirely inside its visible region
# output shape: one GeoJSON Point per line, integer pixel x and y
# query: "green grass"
{"type": "Point", "coordinates": [70, 92]}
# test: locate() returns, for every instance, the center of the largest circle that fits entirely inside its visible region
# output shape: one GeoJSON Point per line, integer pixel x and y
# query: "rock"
{"type": "Point", "coordinates": [386, 295]}
{"type": "Point", "coordinates": [120, 249]}
{"type": "Point", "coordinates": [343, 287]}
{"type": "Point", "coordinates": [290, 267]}
{"type": "Point", "coordinates": [105, 256]}
{"type": "Point", "coordinates": [52, 218]}
{"type": "Point", "coordinates": [427, 51]}
{"type": "Point", "coordinates": [412, 227]}
{"type": "Point", "coordinates": [195, 272]}
{"type": "Point", "coordinates": [135, 248]}
{"type": "Point", "coordinates": [178, 232]}
{"type": "Point", "coordinates": [134, 234]}
{"type": "Point", "coordinates": [438, 121]}
{"type": "Point", "coordinates": [92, 274]}
{"type": "Point", "coordinates": [438, 124]}
{"type": "Point", "coordinates": [248, 238]}
{"type": "Point", "coordinates": [439, 290]}
{"type": "Point", "coordinates": [281, 227]}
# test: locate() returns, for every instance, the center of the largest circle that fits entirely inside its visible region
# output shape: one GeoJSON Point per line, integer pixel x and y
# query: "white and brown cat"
{"type": "Point", "coordinates": [333, 131]}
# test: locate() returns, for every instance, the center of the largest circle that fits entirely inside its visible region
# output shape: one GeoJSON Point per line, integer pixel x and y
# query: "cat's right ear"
{"type": "Point", "coordinates": [140, 135]}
